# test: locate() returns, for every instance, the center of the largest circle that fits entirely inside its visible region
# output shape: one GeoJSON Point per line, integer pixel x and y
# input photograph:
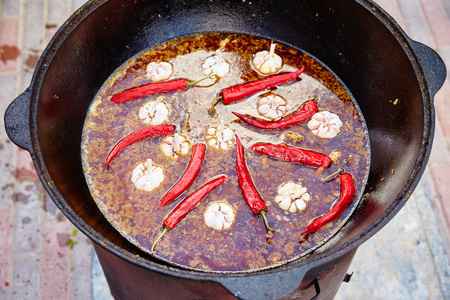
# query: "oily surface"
{"type": "Point", "coordinates": [246, 245]}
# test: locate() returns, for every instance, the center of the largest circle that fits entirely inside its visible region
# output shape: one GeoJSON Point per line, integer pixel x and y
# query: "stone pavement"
{"type": "Point", "coordinates": [43, 256]}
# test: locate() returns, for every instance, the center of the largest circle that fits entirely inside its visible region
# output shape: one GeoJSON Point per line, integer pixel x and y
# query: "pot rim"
{"type": "Point", "coordinates": [409, 47]}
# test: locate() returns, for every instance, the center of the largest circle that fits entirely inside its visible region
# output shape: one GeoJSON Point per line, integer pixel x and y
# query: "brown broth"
{"type": "Point", "coordinates": [191, 244]}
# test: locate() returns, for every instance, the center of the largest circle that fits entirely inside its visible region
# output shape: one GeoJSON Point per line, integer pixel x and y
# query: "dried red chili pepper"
{"type": "Point", "coordinates": [346, 197]}
{"type": "Point", "coordinates": [153, 88]}
{"type": "Point", "coordinates": [187, 205]}
{"type": "Point", "coordinates": [236, 93]}
{"type": "Point", "coordinates": [306, 112]}
{"type": "Point", "coordinates": [189, 175]}
{"type": "Point", "coordinates": [293, 154]}
{"type": "Point", "coordinates": [151, 131]}
{"type": "Point", "coordinates": [248, 189]}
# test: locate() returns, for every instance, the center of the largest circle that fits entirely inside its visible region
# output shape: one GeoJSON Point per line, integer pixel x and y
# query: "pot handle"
{"type": "Point", "coordinates": [17, 121]}
{"type": "Point", "coordinates": [433, 66]}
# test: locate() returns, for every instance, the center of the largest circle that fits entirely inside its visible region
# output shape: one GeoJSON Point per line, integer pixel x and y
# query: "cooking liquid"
{"type": "Point", "coordinates": [246, 245]}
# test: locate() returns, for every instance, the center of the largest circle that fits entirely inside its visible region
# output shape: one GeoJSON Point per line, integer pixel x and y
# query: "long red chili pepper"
{"type": "Point", "coordinates": [187, 205]}
{"type": "Point", "coordinates": [153, 88]}
{"type": "Point", "coordinates": [151, 131]}
{"type": "Point", "coordinates": [248, 189]}
{"type": "Point", "coordinates": [306, 112]}
{"type": "Point", "coordinates": [189, 175]}
{"type": "Point", "coordinates": [236, 93]}
{"type": "Point", "coordinates": [293, 154]}
{"type": "Point", "coordinates": [346, 197]}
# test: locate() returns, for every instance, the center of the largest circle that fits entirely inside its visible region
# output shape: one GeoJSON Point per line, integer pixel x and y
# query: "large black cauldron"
{"type": "Point", "coordinates": [355, 38]}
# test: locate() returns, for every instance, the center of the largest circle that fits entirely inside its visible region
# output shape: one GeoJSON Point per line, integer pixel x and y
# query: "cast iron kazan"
{"type": "Point", "coordinates": [356, 39]}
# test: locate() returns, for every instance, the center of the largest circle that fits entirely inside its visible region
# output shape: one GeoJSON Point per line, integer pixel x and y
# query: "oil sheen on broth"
{"type": "Point", "coordinates": [245, 245]}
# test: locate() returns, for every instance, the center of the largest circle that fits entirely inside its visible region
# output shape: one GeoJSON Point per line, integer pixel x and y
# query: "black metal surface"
{"type": "Point", "coordinates": [16, 121]}
{"type": "Point", "coordinates": [317, 288]}
{"type": "Point", "coordinates": [347, 277]}
{"type": "Point", "coordinates": [356, 39]}
{"type": "Point", "coordinates": [131, 281]}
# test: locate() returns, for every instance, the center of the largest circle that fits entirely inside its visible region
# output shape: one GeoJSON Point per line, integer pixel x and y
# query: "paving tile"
{"type": "Point", "coordinates": [34, 27]}
{"type": "Point", "coordinates": [438, 235]}
{"type": "Point", "coordinates": [9, 45]}
{"type": "Point", "coordinates": [26, 279]}
{"type": "Point", "coordinates": [25, 166]}
{"type": "Point", "coordinates": [446, 5]}
{"type": "Point", "coordinates": [100, 288]}
{"type": "Point", "coordinates": [26, 76]}
{"type": "Point", "coordinates": [10, 8]}
{"type": "Point", "coordinates": [82, 267]}
{"type": "Point", "coordinates": [399, 275]}
{"type": "Point", "coordinates": [440, 174]}
{"type": "Point", "coordinates": [418, 31]}
{"type": "Point", "coordinates": [438, 21]}
{"type": "Point", "coordinates": [445, 55]}
{"type": "Point", "coordinates": [442, 104]}
{"type": "Point", "coordinates": [30, 60]}
{"type": "Point", "coordinates": [8, 86]}
{"type": "Point", "coordinates": [4, 294]}
{"type": "Point", "coordinates": [410, 9]}
{"type": "Point", "coordinates": [56, 260]}
{"type": "Point", "coordinates": [439, 151]}
{"type": "Point", "coordinates": [51, 211]}
{"type": "Point", "coordinates": [27, 219]}
{"type": "Point", "coordinates": [57, 12]}
{"type": "Point", "coordinates": [7, 171]}
{"type": "Point", "coordinates": [79, 249]}
{"type": "Point", "coordinates": [5, 246]}
{"type": "Point", "coordinates": [51, 31]}
{"type": "Point", "coordinates": [76, 4]}
{"type": "Point", "coordinates": [50, 207]}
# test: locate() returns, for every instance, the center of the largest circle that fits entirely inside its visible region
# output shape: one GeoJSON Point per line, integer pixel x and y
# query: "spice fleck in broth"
{"type": "Point", "coordinates": [222, 232]}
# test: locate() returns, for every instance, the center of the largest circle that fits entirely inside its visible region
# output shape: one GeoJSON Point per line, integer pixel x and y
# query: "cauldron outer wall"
{"type": "Point", "coordinates": [363, 46]}
{"type": "Point", "coordinates": [129, 281]}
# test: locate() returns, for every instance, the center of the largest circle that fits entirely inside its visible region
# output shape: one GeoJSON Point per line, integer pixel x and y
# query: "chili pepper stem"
{"type": "Point", "coordinates": [215, 102]}
{"type": "Point", "coordinates": [348, 159]}
{"type": "Point", "coordinates": [333, 175]}
{"type": "Point", "coordinates": [264, 217]}
{"type": "Point", "coordinates": [158, 238]}
{"type": "Point", "coordinates": [186, 124]}
{"type": "Point", "coordinates": [193, 83]}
